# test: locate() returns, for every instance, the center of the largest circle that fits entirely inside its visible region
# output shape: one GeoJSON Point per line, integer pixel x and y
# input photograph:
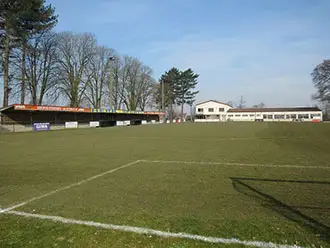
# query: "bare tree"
{"type": "Point", "coordinates": [99, 69]}
{"type": "Point", "coordinates": [321, 81]}
{"type": "Point", "coordinates": [146, 87]}
{"type": "Point", "coordinates": [241, 102]}
{"type": "Point", "coordinates": [7, 43]}
{"type": "Point", "coordinates": [133, 84]}
{"type": "Point", "coordinates": [231, 103]}
{"type": "Point", "coordinates": [75, 53]}
{"type": "Point", "coordinates": [260, 105]}
{"type": "Point", "coordinates": [115, 83]}
{"type": "Point", "coordinates": [39, 67]}
{"type": "Point", "coordinates": [130, 73]}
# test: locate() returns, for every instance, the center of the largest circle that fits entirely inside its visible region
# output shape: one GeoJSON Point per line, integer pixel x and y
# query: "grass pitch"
{"type": "Point", "coordinates": [235, 198]}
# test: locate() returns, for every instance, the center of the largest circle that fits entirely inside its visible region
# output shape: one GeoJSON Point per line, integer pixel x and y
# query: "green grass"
{"type": "Point", "coordinates": [271, 204]}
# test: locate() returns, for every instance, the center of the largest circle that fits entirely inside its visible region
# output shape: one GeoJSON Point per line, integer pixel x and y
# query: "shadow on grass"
{"type": "Point", "coordinates": [243, 185]}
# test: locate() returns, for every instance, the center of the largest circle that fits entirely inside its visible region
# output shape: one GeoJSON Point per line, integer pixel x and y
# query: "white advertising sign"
{"type": "Point", "coordinates": [94, 123]}
{"type": "Point", "coordinates": [120, 123]}
{"type": "Point", "coordinates": [71, 124]}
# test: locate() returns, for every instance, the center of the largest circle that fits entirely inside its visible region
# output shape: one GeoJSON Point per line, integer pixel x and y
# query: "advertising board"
{"type": "Point", "coordinates": [127, 123]}
{"type": "Point", "coordinates": [50, 108]}
{"type": "Point", "coordinates": [71, 124]}
{"type": "Point", "coordinates": [41, 126]}
{"type": "Point", "coordinates": [119, 123]}
{"type": "Point", "coordinates": [94, 123]}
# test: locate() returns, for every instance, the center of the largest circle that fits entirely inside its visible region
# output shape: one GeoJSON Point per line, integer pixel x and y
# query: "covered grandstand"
{"type": "Point", "coordinates": [19, 117]}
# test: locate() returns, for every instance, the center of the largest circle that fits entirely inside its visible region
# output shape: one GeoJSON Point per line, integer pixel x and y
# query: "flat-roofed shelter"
{"type": "Point", "coordinates": [29, 114]}
{"type": "Point", "coordinates": [215, 111]}
{"type": "Point", "coordinates": [311, 114]}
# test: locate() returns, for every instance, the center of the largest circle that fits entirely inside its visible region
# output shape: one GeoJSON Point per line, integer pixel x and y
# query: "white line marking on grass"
{"type": "Point", "coordinates": [210, 139]}
{"type": "Point", "coordinates": [68, 187]}
{"type": "Point", "coordinates": [148, 231]}
{"type": "Point", "coordinates": [234, 164]}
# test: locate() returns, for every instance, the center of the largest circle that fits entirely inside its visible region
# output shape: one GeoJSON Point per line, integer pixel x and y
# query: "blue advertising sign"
{"type": "Point", "coordinates": [41, 126]}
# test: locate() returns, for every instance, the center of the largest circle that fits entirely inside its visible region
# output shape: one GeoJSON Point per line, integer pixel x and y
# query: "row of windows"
{"type": "Point", "coordinates": [292, 116]}
{"type": "Point", "coordinates": [277, 117]}
{"type": "Point", "coordinates": [210, 110]}
{"type": "Point", "coordinates": [245, 115]}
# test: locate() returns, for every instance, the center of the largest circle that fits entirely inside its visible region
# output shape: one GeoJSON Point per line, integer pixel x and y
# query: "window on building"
{"type": "Point", "coordinates": [269, 116]}
{"type": "Point", "coordinates": [221, 109]}
{"type": "Point", "coordinates": [258, 115]}
{"type": "Point", "coordinates": [303, 116]}
{"type": "Point", "coordinates": [251, 115]}
{"type": "Point", "coordinates": [237, 115]}
{"type": "Point", "coordinates": [200, 110]}
{"type": "Point", "coordinates": [230, 115]}
{"type": "Point", "coordinates": [293, 116]}
{"type": "Point", "coordinates": [315, 115]}
{"type": "Point", "coordinates": [245, 115]}
{"type": "Point", "coordinates": [287, 117]}
{"type": "Point", "coordinates": [265, 116]}
{"type": "Point", "coordinates": [211, 109]}
{"type": "Point", "coordinates": [277, 117]}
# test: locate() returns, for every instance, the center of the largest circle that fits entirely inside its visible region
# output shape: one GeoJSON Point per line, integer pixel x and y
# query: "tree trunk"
{"type": "Point", "coordinates": [182, 105]}
{"type": "Point", "coordinates": [34, 97]}
{"type": "Point", "coordinates": [40, 100]}
{"type": "Point", "coordinates": [111, 105]}
{"type": "Point", "coordinates": [34, 78]}
{"type": "Point", "coordinates": [171, 113]}
{"type": "Point", "coordinates": [6, 72]}
{"type": "Point", "coordinates": [23, 73]}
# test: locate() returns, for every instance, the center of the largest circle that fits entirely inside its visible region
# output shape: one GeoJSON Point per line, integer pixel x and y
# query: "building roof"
{"type": "Point", "coordinates": [254, 110]}
{"type": "Point", "coordinates": [213, 101]}
{"type": "Point", "coordinates": [28, 107]}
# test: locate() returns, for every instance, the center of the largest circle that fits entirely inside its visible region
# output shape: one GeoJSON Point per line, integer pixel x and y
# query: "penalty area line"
{"type": "Point", "coordinates": [148, 231]}
{"type": "Point", "coordinates": [68, 187]}
{"type": "Point", "coordinates": [234, 164]}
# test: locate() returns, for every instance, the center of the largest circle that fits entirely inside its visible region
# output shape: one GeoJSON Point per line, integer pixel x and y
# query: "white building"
{"type": "Point", "coordinates": [211, 111]}
{"type": "Point", "coordinates": [214, 111]}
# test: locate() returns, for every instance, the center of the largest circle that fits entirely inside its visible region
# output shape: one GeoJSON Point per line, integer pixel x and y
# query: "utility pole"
{"type": "Point", "coordinates": [110, 84]}
{"type": "Point", "coordinates": [163, 97]}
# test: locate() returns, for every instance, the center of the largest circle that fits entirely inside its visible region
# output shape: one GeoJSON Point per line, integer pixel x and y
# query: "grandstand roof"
{"type": "Point", "coordinates": [28, 107]}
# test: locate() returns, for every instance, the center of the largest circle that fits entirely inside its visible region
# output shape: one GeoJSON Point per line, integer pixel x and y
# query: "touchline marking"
{"type": "Point", "coordinates": [68, 187]}
{"type": "Point", "coordinates": [234, 164]}
{"type": "Point", "coordinates": [210, 139]}
{"type": "Point", "coordinates": [148, 231]}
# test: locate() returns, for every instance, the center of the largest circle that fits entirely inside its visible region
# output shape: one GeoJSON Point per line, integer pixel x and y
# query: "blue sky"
{"type": "Point", "coordinates": [264, 50]}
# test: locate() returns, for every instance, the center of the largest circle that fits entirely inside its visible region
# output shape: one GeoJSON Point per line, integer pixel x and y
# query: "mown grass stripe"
{"type": "Point", "coordinates": [234, 164]}
{"type": "Point", "coordinates": [67, 187]}
{"type": "Point", "coordinates": [148, 231]}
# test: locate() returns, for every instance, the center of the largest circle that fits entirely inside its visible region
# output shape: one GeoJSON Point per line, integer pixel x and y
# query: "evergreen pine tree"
{"type": "Point", "coordinates": [184, 88]}
{"type": "Point", "coordinates": [169, 79]}
{"type": "Point", "coordinates": [19, 20]}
